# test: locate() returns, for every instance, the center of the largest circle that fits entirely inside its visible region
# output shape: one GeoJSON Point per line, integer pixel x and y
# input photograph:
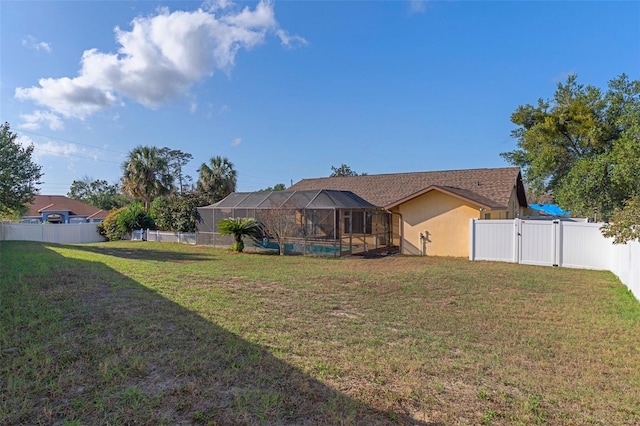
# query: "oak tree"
{"type": "Point", "coordinates": [19, 174]}
{"type": "Point", "coordinates": [582, 146]}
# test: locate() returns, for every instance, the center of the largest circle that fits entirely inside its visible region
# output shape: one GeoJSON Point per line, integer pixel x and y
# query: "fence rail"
{"type": "Point", "coordinates": [555, 243]}
{"type": "Point", "coordinates": [71, 233]}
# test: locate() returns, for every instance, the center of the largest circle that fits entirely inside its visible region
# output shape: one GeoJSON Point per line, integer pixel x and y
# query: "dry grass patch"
{"type": "Point", "coordinates": [111, 333]}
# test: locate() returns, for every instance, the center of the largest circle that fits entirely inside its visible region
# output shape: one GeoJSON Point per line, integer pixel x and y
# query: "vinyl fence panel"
{"type": "Point", "coordinates": [584, 246]}
{"type": "Point", "coordinates": [493, 240]}
{"type": "Point", "coordinates": [625, 263]}
{"type": "Point", "coordinates": [73, 233]}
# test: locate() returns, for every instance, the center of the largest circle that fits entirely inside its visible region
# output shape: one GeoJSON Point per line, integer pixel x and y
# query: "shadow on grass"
{"type": "Point", "coordinates": [142, 251]}
{"type": "Point", "coordinates": [87, 345]}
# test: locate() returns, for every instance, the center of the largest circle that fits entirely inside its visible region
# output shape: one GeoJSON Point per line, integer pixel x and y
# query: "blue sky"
{"type": "Point", "coordinates": [287, 89]}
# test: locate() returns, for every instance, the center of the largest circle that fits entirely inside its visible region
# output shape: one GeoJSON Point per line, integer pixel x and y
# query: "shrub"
{"type": "Point", "coordinates": [124, 220]}
{"type": "Point", "coordinates": [239, 228]}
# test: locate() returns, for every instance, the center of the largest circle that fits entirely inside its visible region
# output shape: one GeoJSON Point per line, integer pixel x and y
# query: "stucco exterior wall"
{"type": "Point", "coordinates": [443, 219]}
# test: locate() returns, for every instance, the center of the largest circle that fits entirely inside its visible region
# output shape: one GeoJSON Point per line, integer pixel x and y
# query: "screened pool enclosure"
{"type": "Point", "coordinates": [324, 222]}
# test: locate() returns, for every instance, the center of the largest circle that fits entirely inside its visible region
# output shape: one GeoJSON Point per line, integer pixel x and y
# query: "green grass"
{"type": "Point", "coordinates": [148, 333]}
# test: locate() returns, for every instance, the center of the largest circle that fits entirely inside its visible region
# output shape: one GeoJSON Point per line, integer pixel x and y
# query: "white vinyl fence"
{"type": "Point", "coordinates": [555, 243]}
{"type": "Point", "coordinates": [165, 237]}
{"type": "Point", "coordinates": [72, 233]}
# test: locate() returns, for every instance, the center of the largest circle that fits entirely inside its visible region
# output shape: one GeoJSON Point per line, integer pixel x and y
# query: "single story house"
{"type": "Point", "coordinates": [61, 209]}
{"type": "Point", "coordinates": [430, 211]}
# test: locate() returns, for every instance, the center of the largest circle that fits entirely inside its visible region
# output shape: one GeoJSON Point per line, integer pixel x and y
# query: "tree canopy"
{"type": "Point", "coordinates": [19, 175]}
{"type": "Point", "coordinates": [625, 223]}
{"type": "Point", "coordinates": [343, 170]}
{"type": "Point", "coordinates": [146, 174]}
{"type": "Point", "coordinates": [177, 212]}
{"type": "Point", "coordinates": [176, 160]}
{"type": "Point", "coordinates": [98, 193]}
{"type": "Point", "coordinates": [217, 179]}
{"type": "Point", "coordinates": [276, 187]}
{"type": "Point", "coordinates": [582, 146]}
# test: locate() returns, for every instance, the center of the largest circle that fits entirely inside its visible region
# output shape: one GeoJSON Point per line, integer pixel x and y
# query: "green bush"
{"type": "Point", "coordinates": [239, 227]}
{"type": "Point", "coordinates": [124, 220]}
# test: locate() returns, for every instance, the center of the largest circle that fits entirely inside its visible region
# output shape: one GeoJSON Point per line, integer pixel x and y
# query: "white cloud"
{"type": "Point", "coordinates": [236, 142]}
{"type": "Point", "coordinates": [417, 6]}
{"type": "Point", "coordinates": [48, 148]}
{"type": "Point", "coordinates": [158, 60]}
{"type": "Point", "coordinates": [213, 5]}
{"type": "Point", "coordinates": [30, 42]}
{"type": "Point", "coordinates": [33, 121]}
{"type": "Point", "coordinates": [56, 149]}
{"type": "Point", "coordinates": [289, 40]}
{"type": "Point", "coordinates": [69, 97]}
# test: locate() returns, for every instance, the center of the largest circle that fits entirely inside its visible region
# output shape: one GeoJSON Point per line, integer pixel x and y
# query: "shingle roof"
{"type": "Point", "coordinates": [61, 203]}
{"type": "Point", "coordinates": [490, 187]}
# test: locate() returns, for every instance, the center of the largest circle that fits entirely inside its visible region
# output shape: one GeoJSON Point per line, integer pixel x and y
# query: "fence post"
{"type": "Point", "coordinates": [472, 239]}
{"type": "Point", "coordinates": [517, 230]}
{"type": "Point", "coordinates": [557, 244]}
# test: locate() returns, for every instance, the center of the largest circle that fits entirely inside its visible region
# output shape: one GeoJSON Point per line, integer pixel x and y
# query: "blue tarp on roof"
{"type": "Point", "coordinates": [551, 209]}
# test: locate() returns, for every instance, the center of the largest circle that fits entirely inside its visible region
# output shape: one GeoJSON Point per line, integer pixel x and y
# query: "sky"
{"type": "Point", "coordinates": [287, 89]}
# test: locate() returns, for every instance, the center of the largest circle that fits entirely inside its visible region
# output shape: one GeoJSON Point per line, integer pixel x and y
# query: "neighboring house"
{"type": "Point", "coordinates": [60, 209]}
{"type": "Point", "coordinates": [431, 210]}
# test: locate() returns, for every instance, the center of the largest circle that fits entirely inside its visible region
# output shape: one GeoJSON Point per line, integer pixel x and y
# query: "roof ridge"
{"type": "Point", "coordinates": [421, 172]}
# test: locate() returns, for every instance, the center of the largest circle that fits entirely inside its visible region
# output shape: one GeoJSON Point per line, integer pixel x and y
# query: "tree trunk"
{"type": "Point", "coordinates": [239, 243]}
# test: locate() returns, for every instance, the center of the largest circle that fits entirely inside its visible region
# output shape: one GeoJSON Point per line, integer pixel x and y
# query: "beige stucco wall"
{"type": "Point", "coordinates": [443, 218]}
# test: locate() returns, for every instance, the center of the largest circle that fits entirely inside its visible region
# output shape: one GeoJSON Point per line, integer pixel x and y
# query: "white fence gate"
{"type": "Point", "coordinates": [71, 233]}
{"type": "Point", "coordinates": [540, 242]}
{"type": "Point", "coordinates": [555, 243]}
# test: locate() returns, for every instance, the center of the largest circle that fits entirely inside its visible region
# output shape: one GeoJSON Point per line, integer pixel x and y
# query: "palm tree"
{"type": "Point", "coordinates": [217, 179]}
{"type": "Point", "coordinates": [239, 227]}
{"type": "Point", "coordinates": [146, 175]}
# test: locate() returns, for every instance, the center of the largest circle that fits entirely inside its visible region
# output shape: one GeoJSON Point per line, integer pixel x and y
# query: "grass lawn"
{"type": "Point", "coordinates": [152, 333]}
